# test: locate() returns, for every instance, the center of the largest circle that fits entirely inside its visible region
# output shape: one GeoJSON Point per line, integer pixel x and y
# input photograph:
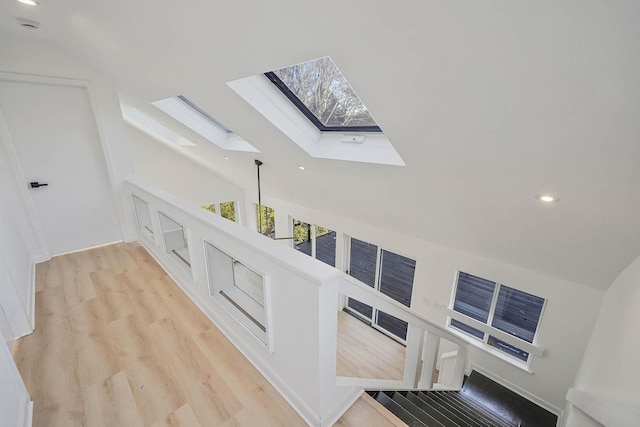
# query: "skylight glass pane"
{"type": "Point", "coordinates": [323, 90]}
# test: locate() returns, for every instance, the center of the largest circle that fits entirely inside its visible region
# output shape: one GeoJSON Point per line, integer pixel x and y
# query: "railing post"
{"type": "Point", "coordinates": [413, 355]}
{"type": "Point", "coordinates": [429, 359]}
{"type": "Point", "coordinates": [458, 370]}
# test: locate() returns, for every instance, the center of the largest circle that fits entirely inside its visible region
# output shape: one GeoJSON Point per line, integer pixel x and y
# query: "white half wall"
{"type": "Point", "coordinates": [610, 364]}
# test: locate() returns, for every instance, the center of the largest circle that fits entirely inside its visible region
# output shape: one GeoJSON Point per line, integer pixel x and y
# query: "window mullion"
{"type": "Point", "coordinates": [378, 267]}
{"type": "Point", "coordinates": [313, 240]}
{"type": "Point", "coordinates": [376, 282]}
{"type": "Point", "coordinates": [492, 309]}
{"type": "Point", "coordinates": [347, 254]}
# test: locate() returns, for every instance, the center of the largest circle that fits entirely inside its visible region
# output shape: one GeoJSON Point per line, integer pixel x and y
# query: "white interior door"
{"type": "Point", "coordinates": [54, 135]}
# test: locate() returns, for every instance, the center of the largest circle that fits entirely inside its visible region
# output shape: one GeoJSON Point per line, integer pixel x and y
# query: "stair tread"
{"type": "Point", "coordinates": [453, 415]}
{"type": "Point", "coordinates": [465, 417]}
{"type": "Point", "coordinates": [399, 411]}
{"type": "Point", "coordinates": [431, 410]}
{"type": "Point", "coordinates": [423, 416]}
{"type": "Point", "coordinates": [482, 414]}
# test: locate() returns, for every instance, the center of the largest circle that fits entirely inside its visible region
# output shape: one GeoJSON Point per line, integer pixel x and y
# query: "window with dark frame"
{"type": "Point", "coordinates": [387, 272]}
{"type": "Point", "coordinates": [501, 307]}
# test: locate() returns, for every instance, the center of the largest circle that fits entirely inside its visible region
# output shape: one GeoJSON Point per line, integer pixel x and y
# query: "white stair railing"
{"type": "Point", "coordinates": [423, 343]}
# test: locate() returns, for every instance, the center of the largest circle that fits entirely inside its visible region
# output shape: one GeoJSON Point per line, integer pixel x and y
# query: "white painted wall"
{"type": "Point", "coordinates": [610, 364]}
{"type": "Point", "coordinates": [569, 316]}
{"type": "Point", "coordinates": [156, 163]}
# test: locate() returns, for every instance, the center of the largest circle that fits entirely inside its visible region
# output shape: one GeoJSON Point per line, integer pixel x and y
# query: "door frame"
{"type": "Point", "coordinates": [7, 140]}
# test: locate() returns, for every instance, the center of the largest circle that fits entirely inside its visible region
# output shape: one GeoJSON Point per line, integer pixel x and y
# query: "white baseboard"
{"type": "Point", "coordinates": [28, 416]}
{"type": "Point", "coordinates": [31, 297]}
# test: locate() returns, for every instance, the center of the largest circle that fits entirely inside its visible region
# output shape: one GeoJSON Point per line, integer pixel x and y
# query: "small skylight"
{"type": "Point", "coordinates": [153, 128]}
{"type": "Point", "coordinates": [321, 92]}
{"type": "Point", "coordinates": [199, 121]}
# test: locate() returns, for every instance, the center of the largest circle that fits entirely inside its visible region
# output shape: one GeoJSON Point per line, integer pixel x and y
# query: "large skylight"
{"type": "Point", "coordinates": [199, 121]}
{"type": "Point", "coordinates": [321, 92]}
{"type": "Point", "coordinates": [340, 127]}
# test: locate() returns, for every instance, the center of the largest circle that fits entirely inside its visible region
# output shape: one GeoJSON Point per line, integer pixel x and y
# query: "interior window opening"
{"type": "Point", "coordinates": [315, 241]}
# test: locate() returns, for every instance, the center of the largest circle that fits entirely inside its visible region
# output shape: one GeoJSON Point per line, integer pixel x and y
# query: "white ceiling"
{"type": "Point", "coordinates": [488, 102]}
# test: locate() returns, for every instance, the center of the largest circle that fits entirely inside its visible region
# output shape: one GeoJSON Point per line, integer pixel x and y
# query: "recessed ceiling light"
{"type": "Point", "coordinates": [547, 198]}
{"type": "Point", "coordinates": [29, 2]}
{"type": "Point", "coordinates": [301, 167]}
{"type": "Point", "coordinates": [226, 157]}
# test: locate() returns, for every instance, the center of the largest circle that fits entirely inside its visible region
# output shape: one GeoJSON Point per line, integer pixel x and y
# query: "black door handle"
{"type": "Point", "coordinates": [37, 184]}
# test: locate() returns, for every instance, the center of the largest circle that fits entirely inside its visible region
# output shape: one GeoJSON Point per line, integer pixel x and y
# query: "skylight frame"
{"type": "Point", "coordinates": [195, 118]}
{"type": "Point", "coordinates": [204, 113]}
{"type": "Point", "coordinates": [277, 82]}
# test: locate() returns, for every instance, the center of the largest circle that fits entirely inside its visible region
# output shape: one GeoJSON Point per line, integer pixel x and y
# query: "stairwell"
{"type": "Point", "coordinates": [480, 403]}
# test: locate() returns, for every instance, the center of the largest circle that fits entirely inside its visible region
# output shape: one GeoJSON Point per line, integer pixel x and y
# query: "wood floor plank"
{"type": "Point", "coordinates": [115, 302]}
{"type": "Point", "coordinates": [95, 353]}
{"type": "Point", "coordinates": [50, 354]}
{"type": "Point", "coordinates": [364, 352]}
{"type": "Point", "coordinates": [111, 404]}
{"type": "Point", "coordinates": [182, 307]}
{"type": "Point", "coordinates": [182, 417]}
{"type": "Point", "coordinates": [154, 387]}
{"type": "Point", "coordinates": [148, 305]}
{"type": "Point", "coordinates": [233, 367]}
{"type": "Point", "coordinates": [213, 401]}
{"type": "Point", "coordinates": [367, 412]}
{"type": "Point", "coordinates": [79, 289]}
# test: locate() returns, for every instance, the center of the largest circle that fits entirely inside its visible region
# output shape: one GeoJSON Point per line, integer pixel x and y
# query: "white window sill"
{"type": "Point", "coordinates": [491, 350]}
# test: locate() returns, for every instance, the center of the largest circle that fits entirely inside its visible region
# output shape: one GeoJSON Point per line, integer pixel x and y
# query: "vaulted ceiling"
{"type": "Point", "coordinates": [489, 103]}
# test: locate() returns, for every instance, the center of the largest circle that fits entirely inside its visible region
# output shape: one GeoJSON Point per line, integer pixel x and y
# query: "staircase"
{"type": "Point", "coordinates": [481, 403]}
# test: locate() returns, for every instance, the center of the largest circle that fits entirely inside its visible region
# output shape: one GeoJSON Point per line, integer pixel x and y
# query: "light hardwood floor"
{"type": "Point", "coordinates": [364, 352]}
{"type": "Point", "coordinates": [117, 343]}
